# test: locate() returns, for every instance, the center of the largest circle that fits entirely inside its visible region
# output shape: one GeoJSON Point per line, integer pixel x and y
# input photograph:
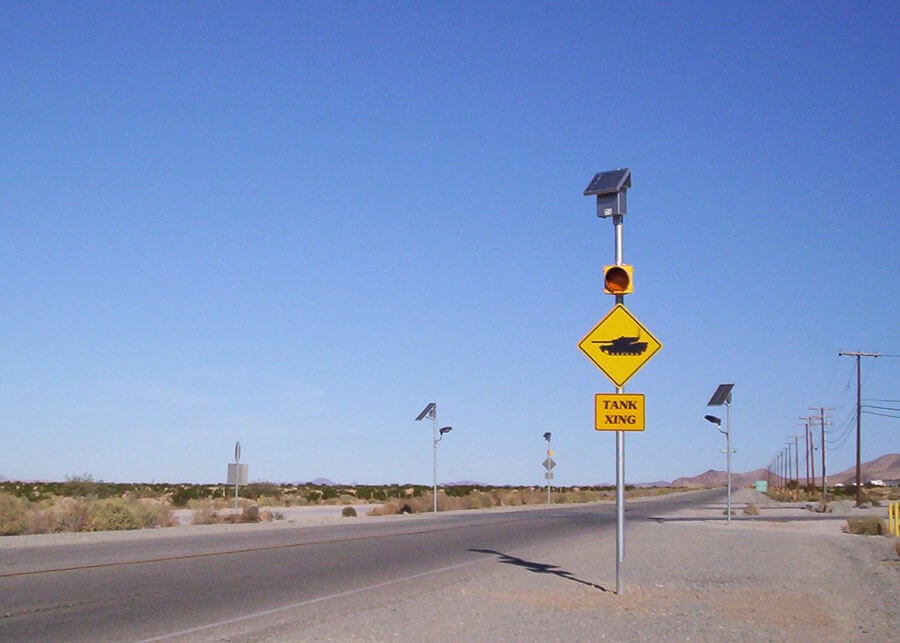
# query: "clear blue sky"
{"type": "Point", "coordinates": [294, 224]}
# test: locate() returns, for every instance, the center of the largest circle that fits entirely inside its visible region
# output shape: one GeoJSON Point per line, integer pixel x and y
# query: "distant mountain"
{"type": "Point", "coordinates": [650, 485]}
{"type": "Point", "coordinates": [713, 478]}
{"type": "Point", "coordinates": [887, 467]}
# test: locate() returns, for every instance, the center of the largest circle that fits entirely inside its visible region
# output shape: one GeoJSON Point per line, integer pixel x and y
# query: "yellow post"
{"type": "Point", "coordinates": [894, 518]}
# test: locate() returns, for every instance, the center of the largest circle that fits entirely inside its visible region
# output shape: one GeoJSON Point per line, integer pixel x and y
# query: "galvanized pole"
{"type": "Point", "coordinates": [824, 470]}
{"type": "Point", "coordinates": [434, 441]}
{"type": "Point", "coordinates": [237, 471]}
{"type": "Point", "coordinates": [728, 448]}
{"type": "Point", "coordinates": [549, 471]}
{"type": "Point", "coordinates": [620, 446]}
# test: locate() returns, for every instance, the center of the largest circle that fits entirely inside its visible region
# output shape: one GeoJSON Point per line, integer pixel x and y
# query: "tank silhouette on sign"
{"type": "Point", "coordinates": [622, 346]}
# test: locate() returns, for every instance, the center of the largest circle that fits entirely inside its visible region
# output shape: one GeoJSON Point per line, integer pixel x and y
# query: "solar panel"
{"type": "Point", "coordinates": [721, 396]}
{"type": "Point", "coordinates": [429, 411]}
{"type": "Point", "coordinates": [609, 182]}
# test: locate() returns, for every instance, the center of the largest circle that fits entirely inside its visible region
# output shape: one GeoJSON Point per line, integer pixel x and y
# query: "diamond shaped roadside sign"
{"type": "Point", "coordinates": [619, 345]}
{"type": "Point", "coordinates": [549, 464]}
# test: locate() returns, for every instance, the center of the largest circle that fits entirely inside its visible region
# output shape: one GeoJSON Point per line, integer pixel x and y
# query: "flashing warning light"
{"type": "Point", "coordinates": [618, 280]}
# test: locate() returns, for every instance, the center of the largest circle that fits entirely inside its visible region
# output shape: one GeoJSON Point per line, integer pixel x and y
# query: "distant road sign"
{"type": "Point", "coordinates": [548, 476]}
{"type": "Point", "coordinates": [619, 412]}
{"type": "Point", "coordinates": [549, 464]}
{"type": "Point", "coordinates": [619, 345]}
{"type": "Point", "coordinates": [237, 473]}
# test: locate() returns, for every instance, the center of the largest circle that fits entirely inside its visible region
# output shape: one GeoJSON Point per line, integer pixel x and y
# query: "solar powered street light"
{"type": "Point", "coordinates": [722, 396]}
{"type": "Point", "coordinates": [430, 411]}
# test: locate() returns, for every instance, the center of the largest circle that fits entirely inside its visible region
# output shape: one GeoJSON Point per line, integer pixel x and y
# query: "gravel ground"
{"type": "Point", "coordinates": [687, 577]}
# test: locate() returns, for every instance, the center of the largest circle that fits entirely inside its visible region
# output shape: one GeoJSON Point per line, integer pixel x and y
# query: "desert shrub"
{"type": "Point", "coordinates": [751, 510]}
{"type": "Point", "coordinates": [203, 511]}
{"type": "Point", "coordinates": [348, 512]}
{"type": "Point", "coordinates": [257, 489]}
{"type": "Point", "coordinates": [479, 501]}
{"type": "Point", "coordinates": [72, 514]}
{"type": "Point", "coordinates": [42, 520]}
{"type": "Point", "coordinates": [185, 493]}
{"type": "Point", "coordinates": [113, 514]}
{"type": "Point", "coordinates": [80, 486]}
{"type": "Point", "coordinates": [153, 513]}
{"type": "Point", "coordinates": [866, 526]}
{"type": "Point", "coordinates": [13, 515]}
{"type": "Point", "coordinates": [408, 506]}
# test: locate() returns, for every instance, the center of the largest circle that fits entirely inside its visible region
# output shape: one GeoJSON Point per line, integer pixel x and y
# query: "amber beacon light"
{"type": "Point", "coordinates": [618, 280]}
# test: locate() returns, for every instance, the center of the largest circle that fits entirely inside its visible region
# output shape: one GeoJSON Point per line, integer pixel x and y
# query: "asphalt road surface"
{"type": "Point", "coordinates": [159, 587]}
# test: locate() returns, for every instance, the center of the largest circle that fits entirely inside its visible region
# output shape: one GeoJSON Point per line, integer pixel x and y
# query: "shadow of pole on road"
{"type": "Point", "coordinates": [538, 568]}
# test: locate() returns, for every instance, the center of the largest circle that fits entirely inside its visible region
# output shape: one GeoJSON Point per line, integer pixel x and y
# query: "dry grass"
{"type": "Point", "coordinates": [19, 516]}
{"type": "Point", "coordinates": [866, 526]}
{"type": "Point", "coordinates": [507, 497]}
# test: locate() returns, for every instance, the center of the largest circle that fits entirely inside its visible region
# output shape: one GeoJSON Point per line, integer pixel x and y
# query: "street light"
{"type": "Point", "coordinates": [720, 397]}
{"type": "Point", "coordinates": [430, 411]}
{"type": "Point", "coordinates": [718, 422]}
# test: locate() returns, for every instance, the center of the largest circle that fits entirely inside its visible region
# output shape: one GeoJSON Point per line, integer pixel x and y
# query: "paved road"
{"type": "Point", "coordinates": [159, 586]}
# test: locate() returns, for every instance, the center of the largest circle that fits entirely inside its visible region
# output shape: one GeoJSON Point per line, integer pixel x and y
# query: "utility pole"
{"type": "Point", "coordinates": [806, 450]}
{"type": "Point", "coordinates": [857, 355]}
{"type": "Point", "coordinates": [812, 453]}
{"type": "Point", "coordinates": [822, 422]}
{"type": "Point", "coordinates": [787, 447]}
{"type": "Point", "coordinates": [779, 471]}
{"type": "Point", "coordinates": [797, 460]}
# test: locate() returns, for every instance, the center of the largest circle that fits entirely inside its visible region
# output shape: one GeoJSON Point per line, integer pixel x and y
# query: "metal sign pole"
{"type": "Point", "coordinates": [549, 480]}
{"type": "Point", "coordinates": [619, 345]}
{"type": "Point", "coordinates": [237, 472]}
{"type": "Point", "coordinates": [620, 448]}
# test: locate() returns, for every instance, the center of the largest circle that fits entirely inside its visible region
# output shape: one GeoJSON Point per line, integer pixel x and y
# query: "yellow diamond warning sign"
{"type": "Point", "coordinates": [619, 345]}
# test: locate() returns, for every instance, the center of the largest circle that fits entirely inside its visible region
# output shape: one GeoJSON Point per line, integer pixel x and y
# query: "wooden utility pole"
{"type": "Point", "coordinates": [797, 460]}
{"type": "Point", "coordinates": [822, 422]}
{"type": "Point", "coordinates": [812, 455]}
{"type": "Point", "coordinates": [857, 355]}
{"type": "Point", "coordinates": [806, 453]}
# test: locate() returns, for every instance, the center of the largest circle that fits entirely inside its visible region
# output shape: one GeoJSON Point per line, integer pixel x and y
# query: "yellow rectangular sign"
{"type": "Point", "coordinates": [619, 411]}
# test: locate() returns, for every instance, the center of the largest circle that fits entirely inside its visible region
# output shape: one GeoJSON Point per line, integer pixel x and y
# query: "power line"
{"type": "Point", "coordinates": [884, 415]}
